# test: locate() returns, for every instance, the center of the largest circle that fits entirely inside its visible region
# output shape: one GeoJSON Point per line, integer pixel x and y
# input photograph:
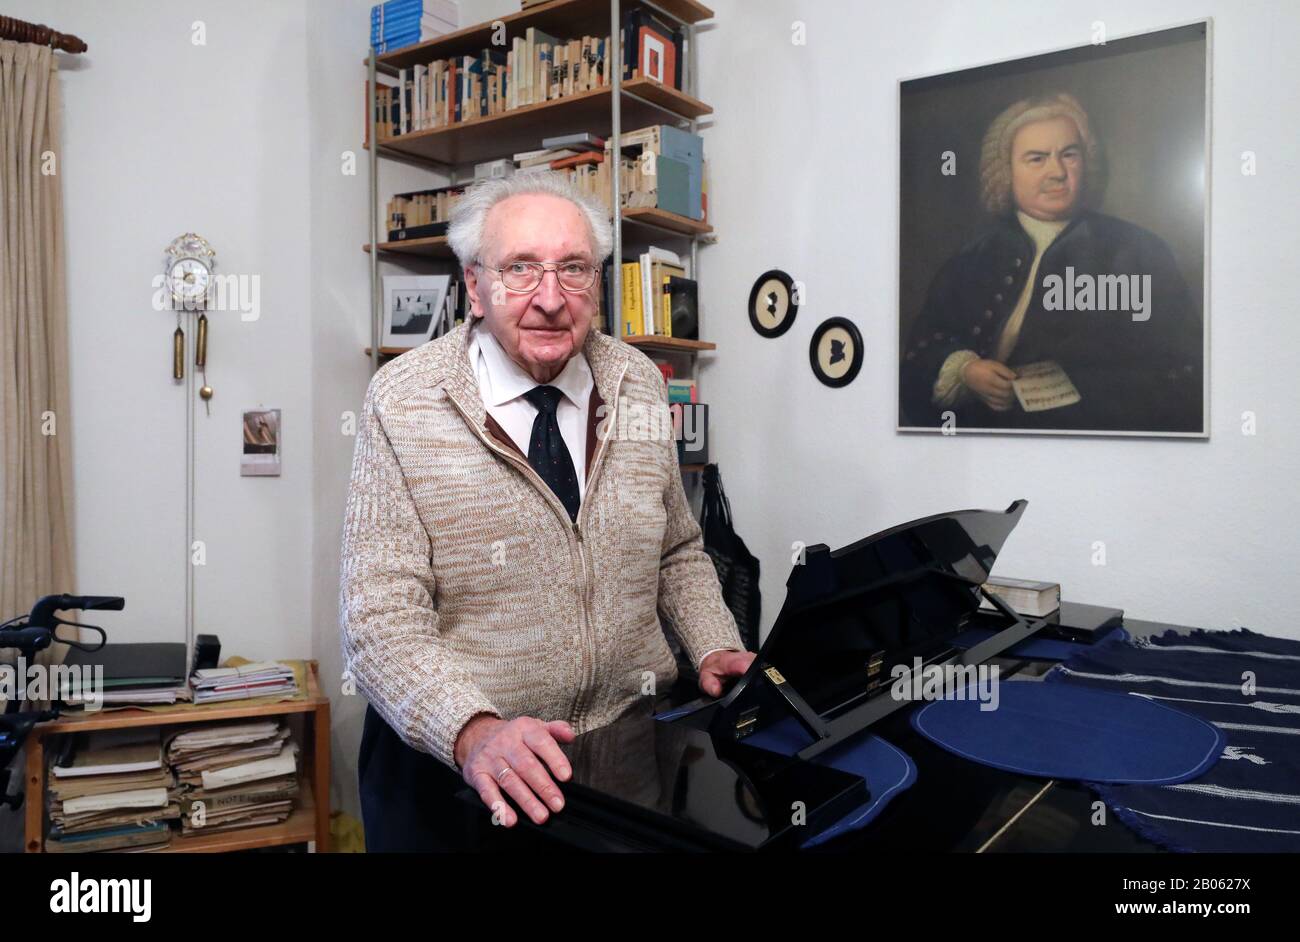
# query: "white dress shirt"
{"type": "Point", "coordinates": [502, 383]}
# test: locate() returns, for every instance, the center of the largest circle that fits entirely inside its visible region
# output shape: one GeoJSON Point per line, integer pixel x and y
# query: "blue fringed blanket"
{"type": "Point", "coordinates": [1247, 685]}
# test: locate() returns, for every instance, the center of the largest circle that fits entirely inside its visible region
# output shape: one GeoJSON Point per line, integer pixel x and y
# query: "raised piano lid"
{"type": "Point", "coordinates": [851, 614]}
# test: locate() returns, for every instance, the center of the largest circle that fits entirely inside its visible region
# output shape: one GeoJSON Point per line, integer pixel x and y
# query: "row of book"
{"type": "Point", "coordinates": [399, 23]}
{"type": "Point", "coordinates": [538, 67]}
{"type": "Point", "coordinates": [410, 215]}
{"type": "Point", "coordinates": [658, 299]}
{"type": "Point", "coordinates": [135, 789]}
{"type": "Point", "coordinates": [682, 390]}
{"type": "Point", "coordinates": [662, 167]}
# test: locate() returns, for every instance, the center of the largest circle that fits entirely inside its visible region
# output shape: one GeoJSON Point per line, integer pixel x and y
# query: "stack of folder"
{"type": "Point", "coordinates": [258, 679]}
{"type": "Point", "coordinates": [234, 775]}
{"type": "Point", "coordinates": [134, 674]}
{"type": "Point", "coordinates": [111, 791]}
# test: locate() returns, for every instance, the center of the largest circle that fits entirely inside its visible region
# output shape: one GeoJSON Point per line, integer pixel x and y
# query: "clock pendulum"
{"type": "Point", "coordinates": [188, 267]}
{"type": "Point", "coordinates": [201, 361]}
{"type": "Point", "coordinates": [178, 350]}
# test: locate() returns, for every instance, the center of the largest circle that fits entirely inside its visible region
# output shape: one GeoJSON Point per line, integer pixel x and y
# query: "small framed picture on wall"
{"type": "Point", "coordinates": [261, 453]}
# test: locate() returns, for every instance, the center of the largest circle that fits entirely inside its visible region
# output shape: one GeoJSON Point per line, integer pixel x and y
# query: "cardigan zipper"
{"type": "Point", "coordinates": [581, 702]}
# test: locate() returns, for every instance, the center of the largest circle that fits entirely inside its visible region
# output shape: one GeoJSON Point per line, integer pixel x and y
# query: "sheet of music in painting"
{"type": "Point", "coordinates": [1044, 385]}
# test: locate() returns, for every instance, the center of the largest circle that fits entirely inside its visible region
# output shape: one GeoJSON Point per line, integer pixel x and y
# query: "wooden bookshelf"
{"type": "Point", "coordinates": [653, 220]}
{"type": "Point", "coordinates": [521, 129]}
{"type": "Point", "coordinates": [432, 247]}
{"type": "Point", "coordinates": [650, 344]}
{"type": "Point", "coordinates": [664, 221]}
{"type": "Point", "coordinates": [309, 820]}
{"type": "Point", "coordinates": [643, 102]}
{"type": "Point", "coordinates": [580, 16]}
{"type": "Point", "coordinates": [658, 344]}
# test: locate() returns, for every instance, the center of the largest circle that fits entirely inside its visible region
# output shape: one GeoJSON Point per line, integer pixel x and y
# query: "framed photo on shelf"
{"type": "Point", "coordinates": [1053, 242]}
{"type": "Point", "coordinates": [414, 308]}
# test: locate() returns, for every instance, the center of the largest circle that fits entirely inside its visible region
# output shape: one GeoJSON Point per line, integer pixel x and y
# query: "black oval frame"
{"type": "Point", "coordinates": [854, 367]}
{"type": "Point", "coordinates": [791, 314]}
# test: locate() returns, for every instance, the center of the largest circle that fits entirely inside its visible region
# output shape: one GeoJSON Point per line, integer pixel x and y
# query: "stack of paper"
{"type": "Point", "coordinates": [259, 679]}
{"type": "Point", "coordinates": [234, 775]}
{"type": "Point", "coordinates": [110, 792]}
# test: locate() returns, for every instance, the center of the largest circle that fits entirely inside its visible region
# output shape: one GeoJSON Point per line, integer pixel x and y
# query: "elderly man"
{"type": "Point", "coordinates": [997, 305]}
{"type": "Point", "coordinates": [504, 565]}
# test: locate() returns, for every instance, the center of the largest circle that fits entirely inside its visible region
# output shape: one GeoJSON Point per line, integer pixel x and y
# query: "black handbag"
{"type": "Point", "coordinates": [737, 566]}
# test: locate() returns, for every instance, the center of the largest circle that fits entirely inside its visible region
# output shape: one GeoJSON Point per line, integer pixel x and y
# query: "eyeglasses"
{"type": "Point", "coordinates": [521, 277]}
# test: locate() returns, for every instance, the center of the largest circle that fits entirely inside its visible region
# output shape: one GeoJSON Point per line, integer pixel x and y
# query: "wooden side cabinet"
{"type": "Point", "coordinates": [309, 720]}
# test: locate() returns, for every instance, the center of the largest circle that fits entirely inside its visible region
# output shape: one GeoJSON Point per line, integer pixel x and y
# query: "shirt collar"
{"type": "Point", "coordinates": [1042, 231]}
{"type": "Point", "coordinates": [507, 380]}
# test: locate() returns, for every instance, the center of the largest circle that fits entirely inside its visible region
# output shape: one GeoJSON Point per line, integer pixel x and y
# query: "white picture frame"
{"type": "Point", "coordinates": [414, 308]}
{"type": "Point", "coordinates": [1169, 218]}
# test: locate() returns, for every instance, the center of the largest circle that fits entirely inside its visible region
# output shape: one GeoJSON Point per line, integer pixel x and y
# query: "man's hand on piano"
{"type": "Point", "coordinates": [503, 755]}
{"type": "Point", "coordinates": [721, 666]}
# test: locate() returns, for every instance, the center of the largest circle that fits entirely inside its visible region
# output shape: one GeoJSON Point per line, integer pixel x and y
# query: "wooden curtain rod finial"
{"type": "Point", "coordinates": [39, 33]}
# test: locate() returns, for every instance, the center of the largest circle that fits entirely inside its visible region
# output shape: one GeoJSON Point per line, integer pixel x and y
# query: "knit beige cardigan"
{"type": "Point", "coordinates": [466, 589]}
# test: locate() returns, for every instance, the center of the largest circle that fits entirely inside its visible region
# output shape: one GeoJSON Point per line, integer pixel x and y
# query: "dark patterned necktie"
{"type": "Point", "coordinates": [547, 452]}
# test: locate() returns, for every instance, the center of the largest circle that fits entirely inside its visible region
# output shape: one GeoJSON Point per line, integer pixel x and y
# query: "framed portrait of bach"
{"type": "Point", "coordinates": [1053, 242]}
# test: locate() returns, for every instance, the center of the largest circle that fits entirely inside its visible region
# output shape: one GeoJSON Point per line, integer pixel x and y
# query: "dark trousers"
{"type": "Point", "coordinates": [408, 801]}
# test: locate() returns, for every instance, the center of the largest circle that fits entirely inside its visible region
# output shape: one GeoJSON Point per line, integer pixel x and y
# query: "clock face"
{"type": "Point", "coordinates": [189, 279]}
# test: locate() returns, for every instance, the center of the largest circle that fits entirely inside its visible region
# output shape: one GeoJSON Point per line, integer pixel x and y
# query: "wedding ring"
{"type": "Point", "coordinates": [502, 774]}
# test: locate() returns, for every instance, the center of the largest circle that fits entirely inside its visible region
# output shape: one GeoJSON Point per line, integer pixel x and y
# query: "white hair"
{"type": "Point", "coordinates": [465, 233]}
{"type": "Point", "coordinates": [995, 154]}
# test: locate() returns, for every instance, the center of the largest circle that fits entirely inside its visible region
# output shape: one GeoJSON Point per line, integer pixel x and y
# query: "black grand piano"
{"type": "Point", "coordinates": [688, 776]}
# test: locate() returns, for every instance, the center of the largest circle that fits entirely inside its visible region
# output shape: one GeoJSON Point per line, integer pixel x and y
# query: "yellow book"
{"type": "Point", "coordinates": [667, 308]}
{"type": "Point", "coordinates": [659, 273]}
{"type": "Point", "coordinates": [633, 324]}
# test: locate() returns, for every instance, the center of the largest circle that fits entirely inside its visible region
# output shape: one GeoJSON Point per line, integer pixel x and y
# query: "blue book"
{"type": "Point", "coordinates": [396, 22]}
{"type": "Point", "coordinates": [395, 27]}
{"type": "Point", "coordinates": [394, 18]}
{"type": "Point", "coordinates": [399, 38]}
{"type": "Point", "coordinates": [676, 144]}
{"type": "Point", "coordinates": [382, 11]}
{"type": "Point", "coordinates": [396, 31]}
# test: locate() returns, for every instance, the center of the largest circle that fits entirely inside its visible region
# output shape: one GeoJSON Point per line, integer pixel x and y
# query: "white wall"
{"type": "Point", "coordinates": [804, 150]}
{"type": "Point", "coordinates": [162, 136]}
{"type": "Point", "coordinates": [337, 32]}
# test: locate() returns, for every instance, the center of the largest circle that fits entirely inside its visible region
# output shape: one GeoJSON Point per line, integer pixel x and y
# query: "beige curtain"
{"type": "Point", "coordinates": [35, 424]}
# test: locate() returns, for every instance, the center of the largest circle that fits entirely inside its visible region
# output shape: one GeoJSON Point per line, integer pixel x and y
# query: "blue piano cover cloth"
{"type": "Point", "coordinates": [1250, 799]}
{"type": "Point", "coordinates": [1067, 732]}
